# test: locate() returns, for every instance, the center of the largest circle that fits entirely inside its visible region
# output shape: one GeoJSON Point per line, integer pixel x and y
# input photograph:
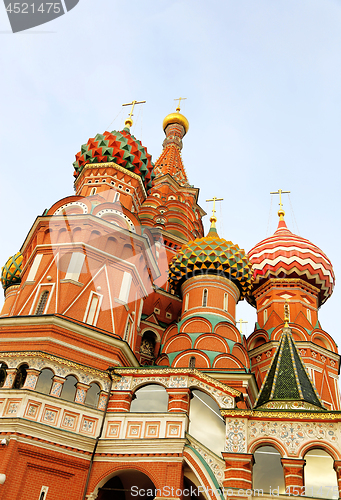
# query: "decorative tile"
{"type": "Point", "coordinates": [88, 425]}
{"type": "Point", "coordinates": [113, 430]}
{"type": "Point", "coordinates": [56, 389]}
{"type": "Point", "coordinates": [173, 429]}
{"type": "Point", "coordinates": [12, 407]}
{"type": "Point", "coordinates": [152, 430]}
{"type": "Point", "coordinates": [134, 430]}
{"type": "Point", "coordinates": [80, 395]}
{"type": "Point", "coordinates": [31, 381]}
{"type": "Point", "coordinates": [32, 410]}
{"type": "Point", "coordinates": [235, 436]}
{"type": "Point", "coordinates": [69, 420]}
{"type": "Point", "coordinates": [50, 415]}
{"type": "Point", "coordinates": [102, 401]}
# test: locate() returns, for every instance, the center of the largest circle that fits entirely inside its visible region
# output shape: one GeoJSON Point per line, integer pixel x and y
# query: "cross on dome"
{"type": "Point", "coordinates": [281, 212]}
{"type": "Point", "coordinates": [129, 121]}
{"type": "Point", "coordinates": [179, 99]}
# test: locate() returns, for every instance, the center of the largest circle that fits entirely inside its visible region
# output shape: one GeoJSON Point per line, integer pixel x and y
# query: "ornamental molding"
{"type": "Point", "coordinates": [61, 367]}
{"type": "Point", "coordinates": [280, 414]}
{"type": "Point", "coordinates": [195, 376]}
{"type": "Point", "coordinates": [216, 464]}
{"type": "Point", "coordinates": [293, 436]}
{"type": "Point", "coordinates": [236, 435]}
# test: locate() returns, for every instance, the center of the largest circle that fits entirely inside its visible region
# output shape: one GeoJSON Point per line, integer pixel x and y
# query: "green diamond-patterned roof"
{"type": "Point", "coordinates": [287, 379]}
{"type": "Point", "coordinates": [121, 148]}
{"type": "Point", "coordinates": [212, 255]}
{"type": "Point", "coordinates": [11, 272]}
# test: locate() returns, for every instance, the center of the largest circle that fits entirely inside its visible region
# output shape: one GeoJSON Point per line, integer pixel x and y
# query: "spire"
{"type": "Point", "coordinates": [287, 381]}
{"type": "Point", "coordinates": [175, 127]}
{"type": "Point", "coordinates": [213, 230]}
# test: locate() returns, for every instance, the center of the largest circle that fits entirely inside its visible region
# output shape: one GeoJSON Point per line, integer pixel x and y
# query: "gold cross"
{"type": "Point", "coordinates": [280, 192]}
{"type": "Point", "coordinates": [129, 120]}
{"type": "Point", "coordinates": [214, 199]}
{"type": "Point", "coordinates": [240, 321]}
{"type": "Point", "coordinates": [179, 99]}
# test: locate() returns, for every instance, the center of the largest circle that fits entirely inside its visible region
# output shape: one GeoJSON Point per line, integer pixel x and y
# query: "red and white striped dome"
{"type": "Point", "coordinates": [286, 255]}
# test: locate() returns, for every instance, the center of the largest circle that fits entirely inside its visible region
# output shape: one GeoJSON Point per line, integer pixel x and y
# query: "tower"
{"type": "Point", "coordinates": [123, 374]}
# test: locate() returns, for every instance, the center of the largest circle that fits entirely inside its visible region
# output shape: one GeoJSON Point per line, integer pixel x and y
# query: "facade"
{"type": "Point", "coordinates": [123, 374]}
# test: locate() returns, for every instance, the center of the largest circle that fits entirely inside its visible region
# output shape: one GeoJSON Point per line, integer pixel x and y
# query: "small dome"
{"type": "Point", "coordinates": [211, 255]}
{"type": "Point", "coordinates": [121, 148]}
{"type": "Point", "coordinates": [11, 272]}
{"type": "Point", "coordinates": [286, 255]}
{"type": "Point", "coordinates": [176, 118]}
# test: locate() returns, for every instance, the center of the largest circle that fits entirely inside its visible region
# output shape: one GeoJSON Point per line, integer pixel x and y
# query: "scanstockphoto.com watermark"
{"type": "Point", "coordinates": [328, 492]}
{"type": "Point", "coordinates": [26, 15]}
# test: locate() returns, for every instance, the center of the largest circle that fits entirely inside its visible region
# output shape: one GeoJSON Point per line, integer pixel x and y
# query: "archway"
{"type": "Point", "coordinates": [151, 398]}
{"type": "Point", "coordinates": [268, 471]}
{"type": "Point", "coordinates": [319, 475]}
{"type": "Point", "coordinates": [206, 424]}
{"type": "Point", "coordinates": [128, 485]}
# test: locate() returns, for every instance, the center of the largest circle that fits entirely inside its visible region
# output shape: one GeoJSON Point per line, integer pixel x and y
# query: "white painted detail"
{"type": "Point", "coordinates": [125, 287]}
{"type": "Point", "coordinates": [93, 308]}
{"type": "Point", "coordinates": [34, 267]}
{"type": "Point", "coordinates": [75, 266]}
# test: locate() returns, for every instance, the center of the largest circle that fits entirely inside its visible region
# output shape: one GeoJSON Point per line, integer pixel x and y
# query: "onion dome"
{"type": "Point", "coordinates": [286, 255]}
{"type": "Point", "coordinates": [11, 272]}
{"type": "Point", "coordinates": [177, 118]}
{"type": "Point", "coordinates": [211, 255]}
{"type": "Point", "coordinates": [121, 148]}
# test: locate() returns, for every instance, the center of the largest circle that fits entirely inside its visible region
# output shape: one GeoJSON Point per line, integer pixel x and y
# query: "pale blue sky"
{"type": "Point", "coordinates": [262, 81]}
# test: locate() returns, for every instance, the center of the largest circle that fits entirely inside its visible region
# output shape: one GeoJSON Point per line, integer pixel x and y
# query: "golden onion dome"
{"type": "Point", "coordinates": [176, 118]}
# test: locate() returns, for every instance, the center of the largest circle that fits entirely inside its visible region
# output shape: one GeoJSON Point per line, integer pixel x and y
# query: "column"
{"type": "Point", "coordinates": [120, 401]}
{"type": "Point", "coordinates": [57, 386]}
{"type": "Point", "coordinates": [102, 400]}
{"type": "Point", "coordinates": [293, 469]}
{"type": "Point", "coordinates": [31, 379]}
{"type": "Point", "coordinates": [82, 389]}
{"type": "Point", "coordinates": [11, 373]}
{"type": "Point", "coordinates": [238, 473]}
{"type": "Point", "coordinates": [178, 399]}
{"type": "Point", "coordinates": [337, 468]}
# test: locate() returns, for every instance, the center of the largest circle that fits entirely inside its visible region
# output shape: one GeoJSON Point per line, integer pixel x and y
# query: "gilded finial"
{"type": "Point", "coordinates": [179, 99]}
{"type": "Point", "coordinates": [213, 218]}
{"type": "Point", "coordinates": [280, 212]}
{"type": "Point", "coordinates": [129, 121]}
{"type": "Point", "coordinates": [286, 314]}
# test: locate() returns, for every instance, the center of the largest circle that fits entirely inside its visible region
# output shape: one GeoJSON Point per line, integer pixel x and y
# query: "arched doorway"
{"type": "Point", "coordinates": [319, 475]}
{"type": "Point", "coordinates": [127, 485]}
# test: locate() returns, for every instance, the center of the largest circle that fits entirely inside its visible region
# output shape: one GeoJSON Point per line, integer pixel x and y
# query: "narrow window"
{"type": "Point", "coordinates": [93, 309]}
{"type": "Point", "coordinates": [3, 373]}
{"type": "Point", "coordinates": [20, 376]}
{"type": "Point", "coordinates": [191, 362]}
{"type": "Point", "coordinates": [204, 298]}
{"type": "Point", "coordinates": [42, 303]}
{"type": "Point", "coordinates": [116, 197]}
{"type": "Point", "coordinates": [186, 302]}
{"type": "Point", "coordinates": [92, 396]}
{"type": "Point", "coordinates": [69, 388]}
{"type": "Point", "coordinates": [127, 331]}
{"type": "Point", "coordinates": [265, 316]}
{"type": "Point", "coordinates": [309, 315]}
{"type": "Point", "coordinates": [225, 301]}
{"type": "Point", "coordinates": [93, 191]}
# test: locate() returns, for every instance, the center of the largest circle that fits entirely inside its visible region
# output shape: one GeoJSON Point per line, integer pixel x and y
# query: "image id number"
{"type": "Point", "coordinates": [27, 8]}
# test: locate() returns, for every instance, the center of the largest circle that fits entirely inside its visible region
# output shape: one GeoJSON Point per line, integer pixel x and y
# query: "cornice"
{"type": "Point", "coordinates": [281, 414]}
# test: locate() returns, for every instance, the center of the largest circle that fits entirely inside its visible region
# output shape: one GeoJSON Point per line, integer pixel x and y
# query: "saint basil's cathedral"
{"type": "Point", "coordinates": [122, 372]}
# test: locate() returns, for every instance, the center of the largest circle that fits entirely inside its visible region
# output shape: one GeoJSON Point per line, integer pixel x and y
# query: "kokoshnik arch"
{"type": "Point", "coordinates": [121, 275]}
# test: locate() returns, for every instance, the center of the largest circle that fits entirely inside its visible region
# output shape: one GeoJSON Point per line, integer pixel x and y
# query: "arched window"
{"type": "Point", "coordinates": [204, 298]}
{"type": "Point", "coordinates": [265, 316]}
{"type": "Point", "coordinates": [93, 191]}
{"type": "Point", "coordinates": [148, 343]}
{"type": "Point", "coordinates": [149, 399]}
{"type": "Point", "coordinates": [3, 373]}
{"type": "Point", "coordinates": [309, 315]}
{"type": "Point", "coordinates": [319, 475]}
{"type": "Point", "coordinates": [92, 395]}
{"type": "Point", "coordinates": [44, 383]}
{"type": "Point", "coordinates": [206, 423]}
{"type": "Point", "coordinates": [191, 363]}
{"type": "Point", "coordinates": [226, 298]}
{"type": "Point", "coordinates": [69, 388]}
{"type": "Point", "coordinates": [42, 303]}
{"type": "Point", "coordinates": [20, 376]}
{"type": "Point", "coordinates": [267, 470]}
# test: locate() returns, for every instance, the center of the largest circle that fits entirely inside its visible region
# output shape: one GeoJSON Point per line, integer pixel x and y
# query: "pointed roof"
{"type": "Point", "coordinates": [170, 162]}
{"type": "Point", "coordinates": [287, 380]}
